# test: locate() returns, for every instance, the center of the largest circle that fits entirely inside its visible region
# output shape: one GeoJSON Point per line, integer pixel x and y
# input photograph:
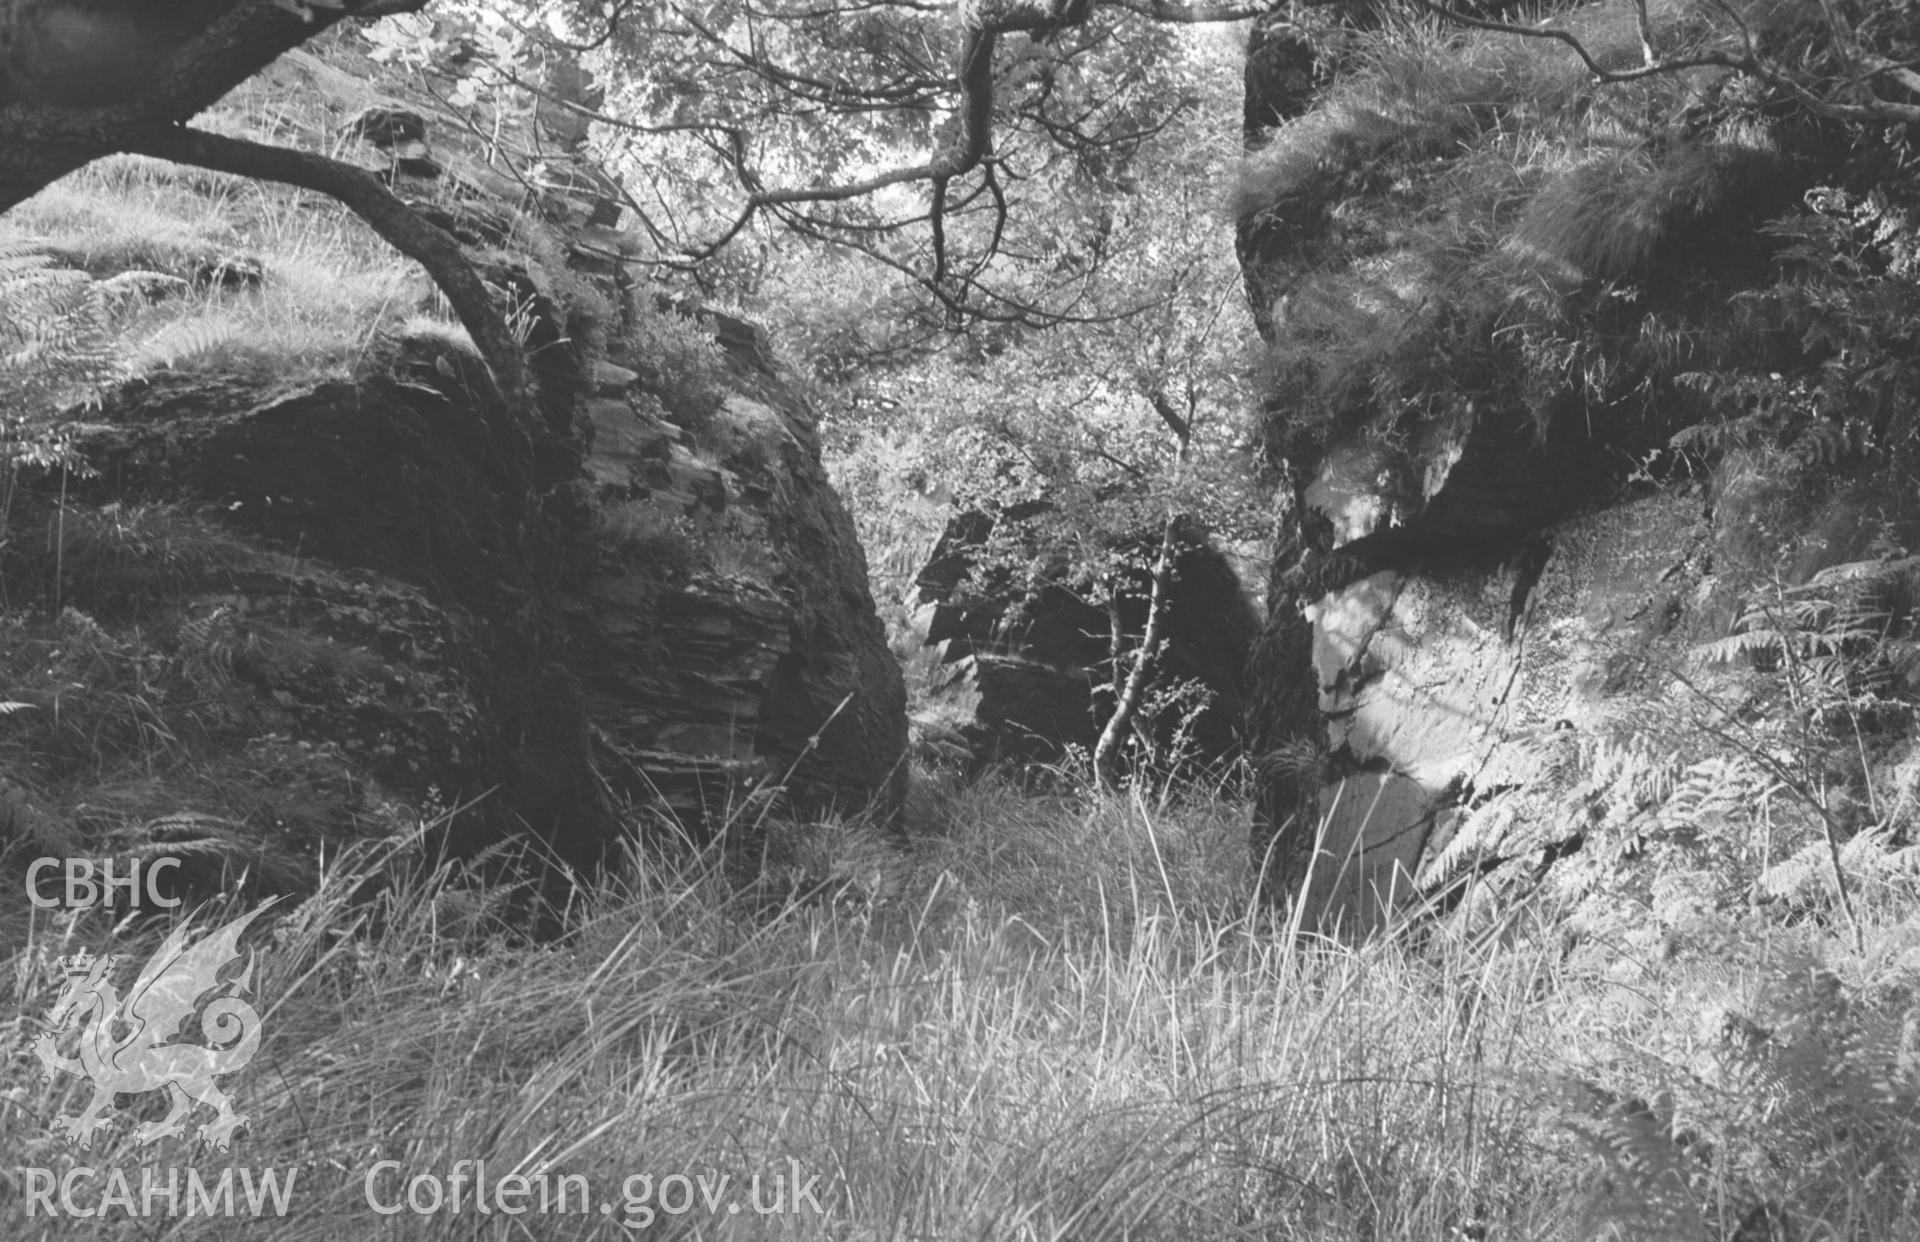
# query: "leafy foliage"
{"type": "Point", "coordinates": [56, 349]}
{"type": "Point", "coordinates": [1794, 1114]}
{"type": "Point", "coordinates": [679, 364]}
{"type": "Point", "coordinates": [1844, 634]}
{"type": "Point", "coordinates": [1081, 441]}
{"type": "Point", "coordinates": [747, 123]}
{"type": "Point", "coordinates": [1469, 223]}
{"type": "Point", "coordinates": [1847, 301]}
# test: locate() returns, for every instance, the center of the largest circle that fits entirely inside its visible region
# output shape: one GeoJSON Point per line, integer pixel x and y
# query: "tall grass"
{"type": "Point", "coordinates": [327, 287]}
{"type": "Point", "coordinates": [1043, 1021]}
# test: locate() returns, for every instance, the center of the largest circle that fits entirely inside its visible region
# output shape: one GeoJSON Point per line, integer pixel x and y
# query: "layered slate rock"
{"type": "Point", "coordinates": [396, 554]}
{"type": "Point", "coordinates": [395, 598]}
{"type": "Point", "coordinates": [451, 638]}
{"type": "Point", "coordinates": [727, 631]}
{"type": "Point", "coordinates": [716, 615]}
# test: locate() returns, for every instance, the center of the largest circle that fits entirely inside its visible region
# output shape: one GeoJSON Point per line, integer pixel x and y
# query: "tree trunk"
{"type": "Point", "coordinates": [1126, 707]}
{"type": "Point", "coordinates": [39, 145]}
{"type": "Point", "coordinates": [1284, 731]}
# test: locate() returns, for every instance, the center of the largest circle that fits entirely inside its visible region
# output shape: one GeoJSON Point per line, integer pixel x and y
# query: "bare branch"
{"type": "Point", "coordinates": [1903, 74]}
{"type": "Point", "coordinates": [1199, 14]}
{"type": "Point", "coordinates": [1600, 72]}
{"type": "Point", "coordinates": [1869, 108]}
{"type": "Point", "coordinates": [983, 22]}
{"type": "Point", "coordinates": [1645, 25]}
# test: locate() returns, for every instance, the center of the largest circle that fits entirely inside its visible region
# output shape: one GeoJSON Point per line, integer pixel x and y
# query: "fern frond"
{"type": "Point", "coordinates": [181, 340]}
{"type": "Point", "coordinates": [56, 350]}
{"type": "Point", "coordinates": [1734, 647]}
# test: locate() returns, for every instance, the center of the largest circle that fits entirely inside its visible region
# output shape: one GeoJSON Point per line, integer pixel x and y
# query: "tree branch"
{"type": "Point", "coordinates": [40, 144]}
{"type": "Point", "coordinates": [1181, 14]}
{"type": "Point", "coordinates": [1181, 428]}
{"type": "Point", "coordinates": [982, 24]}
{"type": "Point", "coordinates": [1871, 109]}
{"type": "Point", "coordinates": [1572, 41]}
{"type": "Point", "coordinates": [398, 224]}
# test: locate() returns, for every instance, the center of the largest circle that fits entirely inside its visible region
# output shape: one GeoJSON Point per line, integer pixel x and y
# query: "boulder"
{"type": "Point", "coordinates": [412, 606]}
{"type": "Point", "coordinates": [708, 624]}
{"type": "Point", "coordinates": [1030, 658]}
{"type": "Point", "coordinates": [1481, 518]}
{"type": "Point", "coordinates": [618, 608]}
{"type": "Point", "coordinates": [1013, 710]}
{"type": "Point", "coordinates": [727, 632]}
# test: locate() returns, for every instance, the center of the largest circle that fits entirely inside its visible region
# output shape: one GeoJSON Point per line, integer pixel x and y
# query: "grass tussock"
{"type": "Point", "coordinates": [1612, 219]}
{"type": "Point", "coordinates": [1043, 1021]}
{"type": "Point", "coordinates": [246, 279]}
{"type": "Point", "coordinates": [1416, 93]}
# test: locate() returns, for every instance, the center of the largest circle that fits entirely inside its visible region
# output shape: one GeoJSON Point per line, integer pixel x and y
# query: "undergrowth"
{"type": "Point", "coordinates": [1465, 222]}
{"type": "Point", "coordinates": [229, 276]}
{"type": "Point", "coordinates": [1048, 1018]}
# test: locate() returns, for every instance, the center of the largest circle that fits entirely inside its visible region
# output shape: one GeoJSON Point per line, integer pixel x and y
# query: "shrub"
{"type": "Point", "coordinates": [1793, 1111]}
{"type": "Point", "coordinates": [57, 348]}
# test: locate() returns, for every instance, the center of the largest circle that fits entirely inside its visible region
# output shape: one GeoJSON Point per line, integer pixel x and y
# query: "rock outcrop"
{"type": "Point", "coordinates": [1476, 405]}
{"type": "Point", "coordinates": [725, 633]}
{"type": "Point", "coordinates": [1028, 659]}
{"type": "Point", "coordinates": [643, 603]}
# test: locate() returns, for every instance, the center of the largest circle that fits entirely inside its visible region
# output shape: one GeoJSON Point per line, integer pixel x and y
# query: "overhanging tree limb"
{"type": "Point", "coordinates": [982, 23]}
{"type": "Point", "coordinates": [1649, 68]}
{"type": "Point", "coordinates": [1848, 98]}
{"type": "Point", "coordinates": [40, 144]}
{"type": "Point", "coordinates": [396, 223]}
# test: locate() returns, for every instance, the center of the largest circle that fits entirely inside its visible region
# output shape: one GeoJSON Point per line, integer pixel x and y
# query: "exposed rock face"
{"type": "Point", "coordinates": [1016, 710]}
{"type": "Point", "coordinates": [1285, 68]}
{"type": "Point", "coordinates": [754, 651]}
{"type": "Point", "coordinates": [1475, 562]}
{"type": "Point", "coordinates": [1029, 660]}
{"type": "Point", "coordinates": [642, 596]}
{"type": "Point", "coordinates": [1436, 668]}
{"type": "Point", "coordinates": [716, 615]}
{"type": "Point", "coordinates": [407, 497]}
{"type": "Point", "coordinates": [709, 627]}
{"type": "Point", "coordinates": [1282, 73]}
{"type": "Point", "coordinates": [1475, 680]}
{"type": "Point", "coordinates": [1372, 832]}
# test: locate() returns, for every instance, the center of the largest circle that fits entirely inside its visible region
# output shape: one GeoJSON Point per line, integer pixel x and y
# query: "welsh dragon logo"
{"type": "Point", "coordinates": [145, 1057]}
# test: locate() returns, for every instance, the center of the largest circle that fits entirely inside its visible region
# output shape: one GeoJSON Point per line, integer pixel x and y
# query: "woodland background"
{"type": "Point", "coordinates": [601, 506]}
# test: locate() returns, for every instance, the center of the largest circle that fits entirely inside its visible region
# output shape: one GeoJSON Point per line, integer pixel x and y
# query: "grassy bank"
{"type": "Point", "coordinates": [1048, 1019]}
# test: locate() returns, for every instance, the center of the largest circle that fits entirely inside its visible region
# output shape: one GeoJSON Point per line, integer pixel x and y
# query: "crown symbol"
{"type": "Point", "coordinates": [79, 964]}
